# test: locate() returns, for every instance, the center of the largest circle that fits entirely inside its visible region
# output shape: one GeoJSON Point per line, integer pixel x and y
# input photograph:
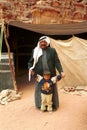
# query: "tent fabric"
{"type": "Point", "coordinates": [53, 29]}
{"type": "Point", "coordinates": [73, 56]}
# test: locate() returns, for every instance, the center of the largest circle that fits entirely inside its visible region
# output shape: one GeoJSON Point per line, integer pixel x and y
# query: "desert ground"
{"type": "Point", "coordinates": [22, 114]}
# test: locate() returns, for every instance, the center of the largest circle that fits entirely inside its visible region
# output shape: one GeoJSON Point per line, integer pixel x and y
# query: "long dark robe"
{"type": "Point", "coordinates": [53, 62]}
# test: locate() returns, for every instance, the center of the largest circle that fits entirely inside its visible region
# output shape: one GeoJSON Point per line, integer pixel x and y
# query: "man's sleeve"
{"type": "Point", "coordinates": [57, 62]}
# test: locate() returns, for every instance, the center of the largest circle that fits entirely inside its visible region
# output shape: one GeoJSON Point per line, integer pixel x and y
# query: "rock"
{"type": "Point", "coordinates": [8, 96]}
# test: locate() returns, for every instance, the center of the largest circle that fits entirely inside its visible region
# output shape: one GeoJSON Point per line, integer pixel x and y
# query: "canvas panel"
{"type": "Point", "coordinates": [73, 56]}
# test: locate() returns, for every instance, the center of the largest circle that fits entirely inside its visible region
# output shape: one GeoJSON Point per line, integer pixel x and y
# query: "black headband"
{"type": "Point", "coordinates": [42, 38]}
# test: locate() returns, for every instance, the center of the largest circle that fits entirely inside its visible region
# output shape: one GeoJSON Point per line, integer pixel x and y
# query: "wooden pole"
{"type": "Point", "coordinates": [10, 61]}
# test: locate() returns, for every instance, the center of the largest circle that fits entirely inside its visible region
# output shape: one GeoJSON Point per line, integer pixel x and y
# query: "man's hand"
{"type": "Point", "coordinates": [32, 72]}
{"type": "Point", "coordinates": [62, 74]}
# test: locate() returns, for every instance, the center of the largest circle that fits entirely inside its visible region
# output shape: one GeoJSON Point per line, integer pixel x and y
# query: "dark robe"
{"type": "Point", "coordinates": [53, 64]}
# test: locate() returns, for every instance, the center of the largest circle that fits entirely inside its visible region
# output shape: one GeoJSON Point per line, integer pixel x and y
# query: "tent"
{"type": "Point", "coordinates": [72, 52]}
{"type": "Point", "coordinates": [53, 29]}
{"type": "Point", "coordinates": [73, 55]}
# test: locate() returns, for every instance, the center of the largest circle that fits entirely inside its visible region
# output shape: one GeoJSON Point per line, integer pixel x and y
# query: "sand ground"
{"type": "Point", "coordinates": [22, 114]}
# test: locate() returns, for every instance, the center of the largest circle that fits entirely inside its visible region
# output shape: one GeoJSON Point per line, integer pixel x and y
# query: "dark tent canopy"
{"type": "Point", "coordinates": [53, 29]}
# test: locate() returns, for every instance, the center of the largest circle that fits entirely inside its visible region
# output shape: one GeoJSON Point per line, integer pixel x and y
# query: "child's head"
{"type": "Point", "coordinates": [46, 75]}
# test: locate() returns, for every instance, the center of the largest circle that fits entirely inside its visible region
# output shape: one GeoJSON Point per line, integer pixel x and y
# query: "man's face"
{"type": "Point", "coordinates": [43, 44]}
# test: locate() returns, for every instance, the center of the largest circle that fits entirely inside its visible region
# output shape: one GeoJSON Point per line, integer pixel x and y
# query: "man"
{"type": "Point", "coordinates": [45, 58]}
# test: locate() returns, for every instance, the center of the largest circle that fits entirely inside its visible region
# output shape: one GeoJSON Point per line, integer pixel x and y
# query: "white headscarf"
{"type": "Point", "coordinates": [38, 52]}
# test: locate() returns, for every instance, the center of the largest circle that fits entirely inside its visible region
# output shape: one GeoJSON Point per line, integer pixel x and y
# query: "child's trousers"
{"type": "Point", "coordinates": [46, 101]}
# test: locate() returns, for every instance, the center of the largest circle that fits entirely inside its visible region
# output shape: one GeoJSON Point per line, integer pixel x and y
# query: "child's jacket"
{"type": "Point", "coordinates": [46, 86]}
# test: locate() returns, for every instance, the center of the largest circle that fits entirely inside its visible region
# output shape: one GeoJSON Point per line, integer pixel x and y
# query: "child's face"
{"type": "Point", "coordinates": [46, 76]}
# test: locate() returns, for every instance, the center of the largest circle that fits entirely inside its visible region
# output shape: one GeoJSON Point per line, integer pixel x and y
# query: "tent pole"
{"type": "Point", "coordinates": [10, 61]}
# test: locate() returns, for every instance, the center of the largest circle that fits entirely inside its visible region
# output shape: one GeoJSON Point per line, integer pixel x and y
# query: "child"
{"type": "Point", "coordinates": [46, 84]}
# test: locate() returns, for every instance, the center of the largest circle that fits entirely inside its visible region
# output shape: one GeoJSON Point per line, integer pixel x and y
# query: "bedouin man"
{"type": "Point", "coordinates": [45, 58]}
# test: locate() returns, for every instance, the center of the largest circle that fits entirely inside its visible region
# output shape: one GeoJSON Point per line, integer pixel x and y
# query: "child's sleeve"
{"type": "Point", "coordinates": [38, 78]}
{"type": "Point", "coordinates": [54, 79]}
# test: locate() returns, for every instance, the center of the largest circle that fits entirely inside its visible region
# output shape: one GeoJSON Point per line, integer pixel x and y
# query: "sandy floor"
{"type": "Point", "coordinates": [22, 114]}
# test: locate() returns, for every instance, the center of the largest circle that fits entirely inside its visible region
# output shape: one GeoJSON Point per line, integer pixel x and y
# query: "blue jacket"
{"type": "Point", "coordinates": [46, 83]}
{"type": "Point", "coordinates": [47, 86]}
